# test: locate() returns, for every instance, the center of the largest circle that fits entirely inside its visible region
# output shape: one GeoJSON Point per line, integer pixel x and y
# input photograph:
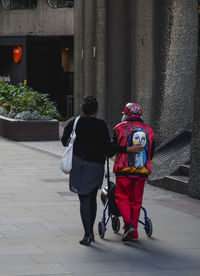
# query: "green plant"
{"type": "Point", "coordinates": [16, 99]}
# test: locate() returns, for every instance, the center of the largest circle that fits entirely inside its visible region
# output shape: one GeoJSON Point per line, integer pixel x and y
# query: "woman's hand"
{"type": "Point", "coordinates": [135, 148]}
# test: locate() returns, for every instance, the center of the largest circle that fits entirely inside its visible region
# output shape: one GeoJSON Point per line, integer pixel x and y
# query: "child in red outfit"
{"type": "Point", "coordinates": [132, 169]}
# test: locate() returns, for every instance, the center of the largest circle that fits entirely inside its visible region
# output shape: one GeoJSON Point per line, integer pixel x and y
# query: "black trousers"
{"type": "Point", "coordinates": [88, 210]}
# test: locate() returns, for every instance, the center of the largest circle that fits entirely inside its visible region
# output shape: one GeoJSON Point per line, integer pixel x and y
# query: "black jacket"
{"type": "Point", "coordinates": [92, 141]}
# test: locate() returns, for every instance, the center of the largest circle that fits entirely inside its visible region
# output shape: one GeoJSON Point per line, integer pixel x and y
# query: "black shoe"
{"type": "Point", "coordinates": [92, 237]}
{"type": "Point", "coordinates": [86, 240]}
{"type": "Point", "coordinates": [128, 232]}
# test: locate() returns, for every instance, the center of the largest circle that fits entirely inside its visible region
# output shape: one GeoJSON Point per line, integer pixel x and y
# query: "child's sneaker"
{"type": "Point", "coordinates": [128, 232]}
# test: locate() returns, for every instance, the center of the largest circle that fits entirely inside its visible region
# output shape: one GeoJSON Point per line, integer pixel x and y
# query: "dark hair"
{"type": "Point", "coordinates": [89, 105]}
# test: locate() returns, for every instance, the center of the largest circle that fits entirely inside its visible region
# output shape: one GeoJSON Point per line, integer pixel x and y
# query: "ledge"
{"type": "Point", "coordinates": [25, 130]}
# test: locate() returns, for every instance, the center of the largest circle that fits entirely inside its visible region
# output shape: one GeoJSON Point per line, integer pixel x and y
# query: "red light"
{"type": "Point", "coordinates": [17, 54]}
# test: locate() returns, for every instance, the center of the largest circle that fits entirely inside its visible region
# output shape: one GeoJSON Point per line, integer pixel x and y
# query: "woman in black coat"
{"type": "Point", "coordinates": [91, 146]}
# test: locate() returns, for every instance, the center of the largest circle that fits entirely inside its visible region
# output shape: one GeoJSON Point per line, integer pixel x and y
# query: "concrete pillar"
{"type": "Point", "coordinates": [85, 71]}
{"type": "Point", "coordinates": [90, 60]}
{"type": "Point", "coordinates": [78, 54]}
{"type": "Point", "coordinates": [118, 57]}
{"type": "Point", "coordinates": [140, 50]}
{"type": "Point", "coordinates": [142, 55]}
{"type": "Point", "coordinates": [100, 44]}
{"type": "Point", "coordinates": [102, 35]}
{"type": "Point", "coordinates": [178, 78]}
{"type": "Point", "coordinates": [89, 70]}
{"type": "Point", "coordinates": [194, 176]}
{"type": "Point", "coordinates": [164, 34]}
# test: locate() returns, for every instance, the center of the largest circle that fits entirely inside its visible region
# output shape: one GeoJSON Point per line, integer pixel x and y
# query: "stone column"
{"type": "Point", "coordinates": [85, 72]}
{"type": "Point", "coordinates": [90, 60]}
{"type": "Point", "coordinates": [118, 58]}
{"type": "Point", "coordinates": [78, 54]}
{"type": "Point", "coordinates": [89, 70]}
{"type": "Point", "coordinates": [100, 44]}
{"type": "Point", "coordinates": [140, 50]}
{"type": "Point", "coordinates": [179, 76]}
{"type": "Point", "coordinates": [163, 63]}
{"type": "Point", "coordinates": [142, 55]}
{"type": "Point", "coordinates": [194, 176]}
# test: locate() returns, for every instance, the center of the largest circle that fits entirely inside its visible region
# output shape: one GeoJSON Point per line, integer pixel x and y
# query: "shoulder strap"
{"type": "Point", "coordinates": [75, 122]}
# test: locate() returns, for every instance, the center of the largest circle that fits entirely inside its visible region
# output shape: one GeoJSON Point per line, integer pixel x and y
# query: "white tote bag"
{"type": "Point", "coordinates": [66, 161]}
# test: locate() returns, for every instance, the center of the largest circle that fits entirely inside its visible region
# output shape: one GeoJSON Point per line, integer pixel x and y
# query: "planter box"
{"type": "Point", "coordinates": [19, 130]}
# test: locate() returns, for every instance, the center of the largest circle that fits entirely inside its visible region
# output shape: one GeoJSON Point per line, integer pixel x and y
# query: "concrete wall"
{"type": "Point", "coordinates": [100, 56]}
{"type": "Point", "coordinates": [142, 55]}
{"type": "Point", "coordinates": [149, 49]}
{"type": "Point", "coordinates": [78, 54]}
{"type": "Point", "coordinates": [194, 180]}
{"type": "Point", "coordinates": [43, 20]}
{"type": "Point", "coordinates": [164, 45]}
{"type": "Point", "coordinates": [119, 48]}
{"type": "Point", "coordinates": [176, 105]}
{"type": "Point", "coordinates": [90, 53]}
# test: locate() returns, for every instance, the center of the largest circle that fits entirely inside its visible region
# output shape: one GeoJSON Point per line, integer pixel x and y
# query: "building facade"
{"type": "Point", "coordinates": [143, 51]}
{"type": "Point", "coordinates": [44, 29]}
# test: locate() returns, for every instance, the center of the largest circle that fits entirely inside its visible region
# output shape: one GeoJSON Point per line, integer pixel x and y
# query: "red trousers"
{"type": "Point", "coordinates": [128, 195]}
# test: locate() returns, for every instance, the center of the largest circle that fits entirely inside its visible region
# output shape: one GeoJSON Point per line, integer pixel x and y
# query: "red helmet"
{"type": "Point", "coordinates": [132, 109]}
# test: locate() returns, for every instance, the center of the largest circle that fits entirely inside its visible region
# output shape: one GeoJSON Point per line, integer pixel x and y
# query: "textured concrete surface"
{"type": "Point", "coordinates": [143, 58]}
{"type": "Point", "coordinates": [78, 54]}
{"type": "Point", "coordinates": [165, 37]}
{"type": "Point", "coordinates": [194, 182]}
{"type": "Point", "coordinates": [90, 59]}
{"type": "Point", "coordinates": [168, 158]}
{"type": "Point", "coordinates": [179, 68]}
{"type": "Point", "coordinates": [150, 50]}
{"type": "Point", "coordinates": [40, 225]}
{"type": "Point", "coordinates": [118, 50]}
{"type": "Point", "coordinates": [42, 20]}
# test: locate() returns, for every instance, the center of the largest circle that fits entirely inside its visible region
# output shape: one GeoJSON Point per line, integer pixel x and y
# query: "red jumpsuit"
{"type": "Point", "coordinates": [132, 169]}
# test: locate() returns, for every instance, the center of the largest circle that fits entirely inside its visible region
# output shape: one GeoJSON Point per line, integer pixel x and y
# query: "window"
{"type": "Point", "coordinates": [61, 3]}
{"type": "Point", "coordinates": [19, 4]}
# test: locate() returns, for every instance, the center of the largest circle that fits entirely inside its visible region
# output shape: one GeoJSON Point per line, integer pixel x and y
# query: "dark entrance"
{"type": "Point", "coordinates": [46, 66]}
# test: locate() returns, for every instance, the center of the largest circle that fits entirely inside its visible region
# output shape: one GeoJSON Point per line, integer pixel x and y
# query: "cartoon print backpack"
{"type": "Point", "coordinates": [138, 163]}
{"type": "Point", "coordinates": [138, 137]}
{"type": "Point", "coordinates": [129, 134]}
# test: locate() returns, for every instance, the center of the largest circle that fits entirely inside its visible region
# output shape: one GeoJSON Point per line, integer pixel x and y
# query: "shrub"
{"type": "Point", "coordinates": [22, 102]}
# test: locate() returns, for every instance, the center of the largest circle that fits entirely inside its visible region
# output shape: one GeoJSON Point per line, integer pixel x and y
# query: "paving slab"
{"type": "Point", "coordinates": [40, 225]}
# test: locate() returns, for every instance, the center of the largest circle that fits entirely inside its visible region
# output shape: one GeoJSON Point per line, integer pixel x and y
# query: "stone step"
{"type": "Point", "coordinates": [183, 170]}
{"type": "Point", "coordinates": [171, 156]}
{"type": "Point", "coordinates": [175, 183]}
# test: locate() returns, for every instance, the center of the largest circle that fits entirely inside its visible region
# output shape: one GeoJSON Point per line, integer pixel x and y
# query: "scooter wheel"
{"type": "Point", "coordinates": [101, 229]}
{"type": "Point", "coordinates": [149, 229]}
{"type": "Point", "coordinates": [115, 224]}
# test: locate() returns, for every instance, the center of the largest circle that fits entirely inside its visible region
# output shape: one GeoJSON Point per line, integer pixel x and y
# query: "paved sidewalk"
{"type": "Point", "coordinates": [40, 224]}
{"type": "Point", "coordinates": [52, 147]}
